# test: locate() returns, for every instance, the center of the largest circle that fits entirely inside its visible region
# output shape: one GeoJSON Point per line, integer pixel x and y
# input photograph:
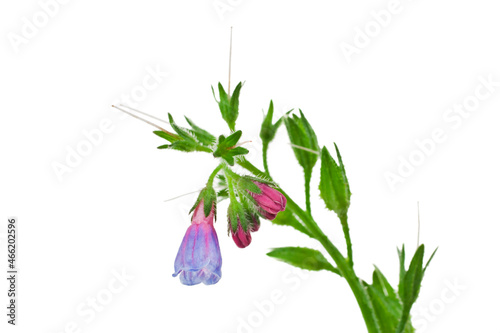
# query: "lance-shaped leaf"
{"type": "Point", "coordinates": [304, 141]}
{"type": "Point", "coordinates": [290, 219]}
{"type": "Point", "coordinates": [202, 135]}
{"type": "Point", "coordinates": [185, 140]}
{"type": "Point", "coordinates": [333, 185]}
{"type": "Point", "coordinates": [410, 283]}
{"type": "Point", "coordinates": [304, 258]}
{"type": "Point", "coordinates": [229, 104]}
{"type": "Point", "coordinates": [170, 137]}
{"type": "Point", "coordinates": [386, 303]}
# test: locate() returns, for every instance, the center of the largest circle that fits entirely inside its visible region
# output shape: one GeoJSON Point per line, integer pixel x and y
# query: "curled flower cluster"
{"type": "Point", "coordinates": [199, 257]}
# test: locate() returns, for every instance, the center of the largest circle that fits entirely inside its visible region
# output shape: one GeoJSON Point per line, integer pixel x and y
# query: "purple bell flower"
{"type": "Point", "coordinates": [199, 259]}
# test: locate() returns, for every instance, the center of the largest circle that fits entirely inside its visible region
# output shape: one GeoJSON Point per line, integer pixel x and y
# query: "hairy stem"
{"type": "Point", "coordinates": [264, 158]}
{"type": "Point", "coordinates": [345, 229]}
{"type": "Point", "coordinates": [213, 174]}
{"type": "Point", "coordinates": [307, 185]}
{"type": "Point", "coordinates": [230, 186]}
{"type": "Point", "coordinates": [342, 263]}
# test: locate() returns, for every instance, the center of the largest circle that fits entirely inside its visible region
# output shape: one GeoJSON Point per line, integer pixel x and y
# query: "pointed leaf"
{"type": "Point", "coordinates": [288, 218]}
{"type": "Point", "coordinates": [333, 187]}
{"type": "Point", "coordinates": [304, 258]}
{"type": "Point", "coordinates": [167, 136]}
{"type": "Point", "coordinates": [203, 136]}
{"type": "Point", "coordinates": [305, 146]}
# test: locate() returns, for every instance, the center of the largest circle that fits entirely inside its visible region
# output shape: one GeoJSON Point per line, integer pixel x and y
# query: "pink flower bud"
{"type": "Point", "coordinates": [241, 238]}
{"type": "Point", "coordinates": [270, 201]}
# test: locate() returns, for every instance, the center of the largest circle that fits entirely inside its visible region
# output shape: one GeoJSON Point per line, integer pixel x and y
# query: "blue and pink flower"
{"type": "Point", "coordinates": [199, 258]}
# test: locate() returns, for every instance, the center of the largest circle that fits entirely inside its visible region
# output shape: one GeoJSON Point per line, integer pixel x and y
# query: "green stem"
{"type": "Point", "coordinates": [230, 186]}
{"type": "Point", "coordinates": [345, 229]}
{"type": "Point", "coordinates": [342, 263]}
{"type": "Point", "coordinates": [213, 174]}
{"type": "Point", "coordinates": [307, 185]}
{"type": "Point", "coordinates": [264, 157]}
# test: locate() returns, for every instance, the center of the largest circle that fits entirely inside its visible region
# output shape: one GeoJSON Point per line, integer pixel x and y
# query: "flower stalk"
{"type": "Point", "coordinates": [346, 269]}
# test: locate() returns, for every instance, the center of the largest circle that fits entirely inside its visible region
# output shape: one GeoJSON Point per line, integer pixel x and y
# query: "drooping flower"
{"type": "Point", "coordinates": [270, 201]}
{"type": "Point", "coordinates": [199, 259]}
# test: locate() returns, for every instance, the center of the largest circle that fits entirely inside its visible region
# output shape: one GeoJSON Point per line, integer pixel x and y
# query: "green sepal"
{"type": "Point", "coordinates": [228, 105]}
{"type": "Point", "coordinates": [333, 186]}
{"type": "Point", "coordinates": [209, 197]}
{"type": "Point", "coordinates": [268, 129]}
{"type": "Point", "coordinates": [235, 213]}
{"type": "Point", "coordinates": [226, 150]}
{"type": "Point", "coordinates": [246, 184]}
{"type": "Point", "coordinates": [304, 258]}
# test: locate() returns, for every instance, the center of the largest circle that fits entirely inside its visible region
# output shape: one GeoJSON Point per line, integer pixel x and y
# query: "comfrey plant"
{"type": "Point", "coordinates": [253, 196]}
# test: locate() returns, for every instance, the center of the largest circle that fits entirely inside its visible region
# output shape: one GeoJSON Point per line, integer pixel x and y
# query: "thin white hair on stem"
{"type": "Point", "coordinates": [418, 224]}
{"type": "Point", "coordinates": [137, 117]}
{"type": "Point", "coordinates": [183, 195]}
{"type": "Point", "coordinates": [144, 113]}
{"type": "Point", "coordinates": [230, 56]}
{"type": "Point", "coordinates": [304, 148]}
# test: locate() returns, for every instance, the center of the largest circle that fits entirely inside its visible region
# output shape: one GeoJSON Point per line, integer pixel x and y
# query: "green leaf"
{"type": "Point", "coordinates": [186, 140]}
{"type": "Point", "coordinates": [429, 261]}
{"type": "Point", "coordinates": [402, 271]}
{"type": "Point", "coordinates": [229, 105]}
{"type": "Point", "coordinates": [304, 258]}
{"type": "Point", "coordinates": [183, 133]}
{"type": "Point", "coordinates": [302, 136]}
{"type": "Point", "coordinates": [333, 185]}
{"type": "Point", "coordinates": [183, 146]}
{"type": "Point", "coordinates": [344, 175]}
{"type": "Point", "coordinates": [234, 102]}
{"type": "Point", "coordinates": [387, 306]}
{"type": "Point", "coordinates": [410, 282]}
{"type": "Point", "coordinates": [167, 136]}
{"type": "Point", "coordinates": [413, 277]}
{"type": "Point", "coordinates": [290, 219]}
{"type": "Point", "coordinates": [203, 136]}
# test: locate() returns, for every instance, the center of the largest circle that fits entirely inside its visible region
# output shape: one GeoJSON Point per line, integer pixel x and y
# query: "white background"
{"type": "Point", "coordinates": [108, 214]}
